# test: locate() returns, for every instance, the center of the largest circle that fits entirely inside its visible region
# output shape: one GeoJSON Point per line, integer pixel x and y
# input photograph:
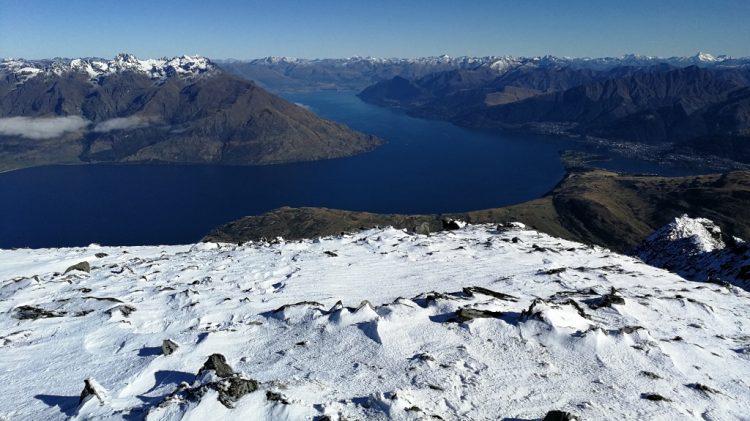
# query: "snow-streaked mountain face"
{"type": "Point", "coordinates": [476, 323]}
{"type": "Point", "coordinates": [697, 249]}
{"type": "Point", "coordinates": [504, 63]}
{"type": "Point", "coordinates": [182, 66]}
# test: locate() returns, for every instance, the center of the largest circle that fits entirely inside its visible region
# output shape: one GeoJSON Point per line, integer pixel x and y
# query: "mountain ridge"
{"type": "Point", "coordinates": [181, 110]}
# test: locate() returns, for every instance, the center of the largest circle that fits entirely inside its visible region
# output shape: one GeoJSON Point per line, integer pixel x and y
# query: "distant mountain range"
{"type": "Point", "coordinates": [180, 110]}
{"type": "Point", "coordinates": [695, 106]}
{"type": "Point", "coordinates": [356, 73]}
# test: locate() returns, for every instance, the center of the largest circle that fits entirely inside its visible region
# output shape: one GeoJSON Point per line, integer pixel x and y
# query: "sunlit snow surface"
{"type": "Point", "coordinates": [404, 356]}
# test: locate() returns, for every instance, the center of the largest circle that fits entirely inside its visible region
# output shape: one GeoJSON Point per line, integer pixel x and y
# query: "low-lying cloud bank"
{"type": "Point", "coordinates": [124, 123]}
{"type": "Point", "coordinates": [51, 127]}
{"type": "Point", "coordinates": [41, 127]}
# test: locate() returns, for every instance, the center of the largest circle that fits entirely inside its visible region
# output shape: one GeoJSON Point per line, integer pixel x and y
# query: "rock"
{"type": "Point", "coordinates": [559, 416]}
{"type": "Point", "coordinates": [124, 309]}
{"type": "Point", "coordinates": [217, 363]}
{"type": "Point", "coordinates": [230, 389]}
{"type": "Point", "coordinates": [423, 229]}
{"type": "Point", "coordinates": [653, 397]}
{"type": "Point", "coordinates": [468, 314]}
{"type": "Point", "coordinates": [81, 266]}
{"type": "Point", "coordinates": [470, 291]}
{"type": "Point", "coordinates": [607, 300]}
{"type": "Point", "coordinates": [168, 347]}
{"type": "Point", "coordinates": [33, 313]}
{"type": "Point", "coordinates": [702, 388]}
{"type": "Point", "coordinates": [101, 255]}
{"type": "Point", "coordinates": [451, 224]}
{"type": "Point", "coordinates": [276, 397]}
{"type": "Point", "coordinates": [92, 388]}
{"type": "Point", "coordinates": [235, 388]}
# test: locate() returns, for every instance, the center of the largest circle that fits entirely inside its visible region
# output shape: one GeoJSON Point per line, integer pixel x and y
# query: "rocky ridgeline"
{"type": "Point", "coordinates": [697, 249]}
{"type": "Point", "coordinates": [95, 68]}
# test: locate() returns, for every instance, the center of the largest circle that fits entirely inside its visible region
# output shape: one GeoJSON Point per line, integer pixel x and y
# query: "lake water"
{"type": "Point", "coordinates": [425, 167]}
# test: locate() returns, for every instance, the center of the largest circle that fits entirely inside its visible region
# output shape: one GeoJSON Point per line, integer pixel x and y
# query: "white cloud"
{"type": "Point", "coordinates": [124, 123]}
{"type": "Point", "coordinates": [41, 127]}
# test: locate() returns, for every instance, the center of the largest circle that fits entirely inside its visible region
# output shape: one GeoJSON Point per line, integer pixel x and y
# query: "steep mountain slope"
{"type": "Point", "coordinates": [182, 110]}
{"type": "Point", "coordinates": [469, 324]}
{"type": "Point", "coordinates": [693, 110]}
{"type": "Point", "coordinates": [697, 249]}
{"type": "Point", "coordinates": [614, 210]}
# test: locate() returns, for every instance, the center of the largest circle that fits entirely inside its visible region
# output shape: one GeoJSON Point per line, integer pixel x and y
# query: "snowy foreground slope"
{"type": "Point", "coordinates": [554, 325]}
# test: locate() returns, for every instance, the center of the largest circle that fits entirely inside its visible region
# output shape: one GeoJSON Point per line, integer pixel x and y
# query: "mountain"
{"type": "Point", "coordinates": [696, 110]}
{"type": "Point", "coordinates": [180, 110]}
{"type": "Point", "coordinates": [356, 73]}
{"type": "Point", "coordinates": [697, 249]}
{"type": "Point", "coordinates": [377, 325]}
{"type": "Point", "coordinates": [617, 211]}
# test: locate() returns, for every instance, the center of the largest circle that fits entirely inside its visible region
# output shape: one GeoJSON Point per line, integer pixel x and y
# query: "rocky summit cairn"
{"type": "Point", "coordinates": [168, 347]}
{"type": "Point", "coordinates": [217, 363]}
{"type": "Point", "coordinates": [81, 266]}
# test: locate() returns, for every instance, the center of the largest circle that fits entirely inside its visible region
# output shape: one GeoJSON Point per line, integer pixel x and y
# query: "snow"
{"type": "Point", "coordinates": [503, 64]}
{"type": "Point", "coordinates": [160, 69]}
{"type": "Point", "coordinates": [547, 330]}
{"type": "Point", "coordinates": [697, 249]}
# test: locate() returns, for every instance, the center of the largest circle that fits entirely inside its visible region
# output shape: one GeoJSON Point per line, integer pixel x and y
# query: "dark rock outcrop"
{"type": "Point", "coordinates": [559, 416]}
{"type": "Point", "coordinates": [217, 363]}
{"type": "Point", "coordinates": [81, 266]}
{"type": "Point", "coordinates": [92, 389]}
{"type": "Point", "coordinates": [168, 347]}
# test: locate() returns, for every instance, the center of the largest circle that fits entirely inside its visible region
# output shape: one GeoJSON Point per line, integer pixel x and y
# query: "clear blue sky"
{"type": "Point", "coordinates": [384, 28]}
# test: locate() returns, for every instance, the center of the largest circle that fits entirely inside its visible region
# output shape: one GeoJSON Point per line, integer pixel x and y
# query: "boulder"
{"type": "Point", "coordinates": [218, 364]}
{"type": "Point", "coordinates": [91, 388]}
{"type": "Point", "coordinates": [467, 314]}
{"type": "Point", "coordinates": [559, 416]}
{"type": "Point", "coordinates": [168, 347]}
{"type": "Point", "coordinates": [451, 224]}
{"type": "Point", "coordinates": [81, 266]}
{"type": "Point", "coordinates": [234, 388]}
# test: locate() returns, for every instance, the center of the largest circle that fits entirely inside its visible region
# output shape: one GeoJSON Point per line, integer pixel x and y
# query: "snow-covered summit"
{"type": "Point", "coordinates": [182, 66]}
{"type": "Point", "coordinates": [694, 235]}
{"type": "Point", "coordinates": [697, 249]}
{"type": "Point", "coordinates": [475, 323]}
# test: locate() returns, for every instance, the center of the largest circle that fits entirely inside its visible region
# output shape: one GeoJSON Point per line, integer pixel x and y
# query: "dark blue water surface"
{"type": "Point", "coordinates": [425, 167]}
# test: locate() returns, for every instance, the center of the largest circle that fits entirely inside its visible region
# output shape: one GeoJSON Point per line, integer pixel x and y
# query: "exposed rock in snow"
{"type": "Point", "coordinates": [463, 324]}
{"type": "Point", "coordinates": [696, 249]}
{"type": "Point", "coordinates": [168, 347]}
{"type": "Point", "coordinates": [94, 68]}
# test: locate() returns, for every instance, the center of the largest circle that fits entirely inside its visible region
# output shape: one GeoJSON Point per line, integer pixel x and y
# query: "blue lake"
{"type": "Point", "coordinates": [425, 167]}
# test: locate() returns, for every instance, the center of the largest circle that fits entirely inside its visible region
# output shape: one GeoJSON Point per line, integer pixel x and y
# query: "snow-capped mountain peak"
{"type": "Point", "coordinates": [162, 68]}
{"type": "Point", "coordinates": [705, 57]}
